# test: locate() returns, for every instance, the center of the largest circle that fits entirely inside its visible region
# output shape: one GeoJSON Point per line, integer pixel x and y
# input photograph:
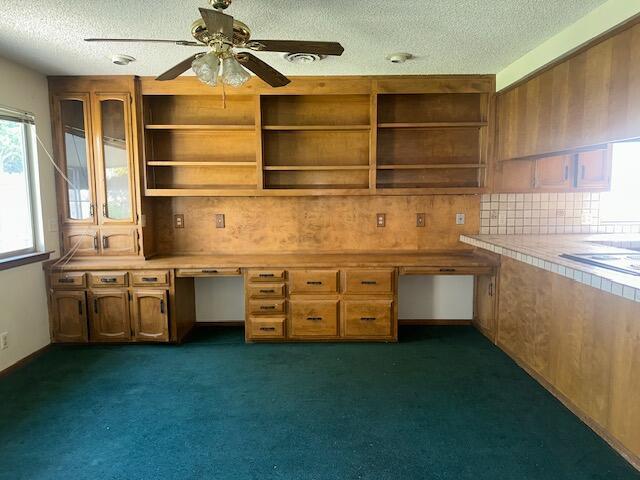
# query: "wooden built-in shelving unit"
{"type": "Point", "coordinates": [427, 137]}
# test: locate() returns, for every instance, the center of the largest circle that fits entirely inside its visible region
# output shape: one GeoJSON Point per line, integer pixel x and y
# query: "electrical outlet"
{"type": "Point", "coordinates": [420, 220]}
{"type": "Point", "coordinates": [219, 220]}
{"type": "Point", "coordinates": [380, 219]}
{"type": "Point", "coordinates": [178, 221]}
{"type": "Point", "coordinates": [459, 218]}
{"type": "Point", "coordinates": [4, 340]}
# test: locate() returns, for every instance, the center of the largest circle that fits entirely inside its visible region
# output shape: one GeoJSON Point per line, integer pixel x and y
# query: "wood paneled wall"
{"type": "Point", "coordinates": [591, 98]}
{"type": "Point", "coordinates": [583, 342]}
{"type": "Point", "coordinates": [314, 224]}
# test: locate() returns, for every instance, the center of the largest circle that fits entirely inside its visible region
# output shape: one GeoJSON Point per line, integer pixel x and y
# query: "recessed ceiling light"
{"type": "Point", "coordinates": [120, 59]}
{"type": "Point", "coordinates": [303, 57]}
{"type": "Point", "coordinates": [400, 57]}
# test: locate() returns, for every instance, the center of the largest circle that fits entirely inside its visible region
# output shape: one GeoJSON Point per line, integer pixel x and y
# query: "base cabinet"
{"type": "Point", "coordinates": [371, 318]}
{"type": "Point", "coordinates": [150, 317]}
{"type": "Point", "coordinates": [109, 318]}
{"type": "Point", "coordinates": [485, 304]}
{"type": "Point", "coordinates": [69, 316]}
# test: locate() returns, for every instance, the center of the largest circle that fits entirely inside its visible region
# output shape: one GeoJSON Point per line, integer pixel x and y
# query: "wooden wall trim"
{"type": "Point", "coordinates": [24, 361]}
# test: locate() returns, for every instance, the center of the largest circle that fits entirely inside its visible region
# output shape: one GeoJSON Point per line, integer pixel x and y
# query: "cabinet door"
{"type": "Point", "coordinates": [486, 303]}
{"type": "Point", "coordinates": [114, 180]}
{"type": "Point", "coordinates": [83, 241]}
{"type": "Point", "coordinates": [594, 170]}
{"type": "Point", "coordinates": [554, 173]}
{"type": "Point", "coordinates": [109, 316]}
{"type": "Point", "coordinates": [150, 315]}
{"type": "Point", "coordinates": [119, 241]}
{"type": "Point", "coordinates": [69, 316]}
{"type": "Point", "coordinates": [515, 176]}
{"type": "Point", "coordinates": [74, 153]}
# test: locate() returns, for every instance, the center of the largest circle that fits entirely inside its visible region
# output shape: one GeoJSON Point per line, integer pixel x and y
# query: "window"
{"type": "Point", "coordinates": [622, 203]}
{"type": "Point", "coordinates": [17, 233]}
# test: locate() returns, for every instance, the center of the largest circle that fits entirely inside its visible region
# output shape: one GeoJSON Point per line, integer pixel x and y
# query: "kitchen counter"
{"type": "Point", "coordinates": [543, 251]}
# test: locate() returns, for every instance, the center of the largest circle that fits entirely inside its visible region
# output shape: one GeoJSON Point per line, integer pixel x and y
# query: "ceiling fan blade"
{"type": "Point", "coordinates": [262, 70]}
{"type": "Point", "coordinates": [297, 46]}
{"type": "Point", "coordinates": [184, 43]}
{"type": "Point", "coordinates": [217, 22]}
{"type": "Point", "coordinates": [179, 69]}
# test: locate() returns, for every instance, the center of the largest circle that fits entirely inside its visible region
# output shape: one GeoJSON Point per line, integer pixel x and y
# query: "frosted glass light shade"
{"type": "Point", "coordinates": [233, 74]}
{"type": "Point", "coordinates": [206, 68]}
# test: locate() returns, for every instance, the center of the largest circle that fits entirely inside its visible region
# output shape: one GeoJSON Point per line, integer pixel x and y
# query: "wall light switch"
{"type": "Point", "coordinates": [4, 340]}
{"type": "Point", "coordinates": [219, 220]}
{"type": "Point", "coordinates": [459, 218]}
{"type": "Point", "coordinates": [52, 225]}
{"type": "Point", "coordinates": [420, 220]}
{"type": "Point", "coordinates": [380, 219]}
{"type": "Point", "coordinates": [178, 221]}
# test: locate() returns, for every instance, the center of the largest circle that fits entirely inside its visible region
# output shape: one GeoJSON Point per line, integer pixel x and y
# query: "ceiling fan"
{"type": "Point", "coordinates": [222, 34]}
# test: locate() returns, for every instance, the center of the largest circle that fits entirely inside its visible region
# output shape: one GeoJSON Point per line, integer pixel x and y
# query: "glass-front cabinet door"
{"type": "Point", "coordinates": [75, 158]}
{"type": "Point", "coordinates": [112, 118]}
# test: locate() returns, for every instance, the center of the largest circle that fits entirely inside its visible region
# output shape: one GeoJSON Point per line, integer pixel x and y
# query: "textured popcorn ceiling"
{"type": "Point", "coordinates": [446, 36]}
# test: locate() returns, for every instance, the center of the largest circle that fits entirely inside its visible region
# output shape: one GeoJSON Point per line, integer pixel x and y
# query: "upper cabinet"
{"type": "Point", "coordinates": [95, 150]}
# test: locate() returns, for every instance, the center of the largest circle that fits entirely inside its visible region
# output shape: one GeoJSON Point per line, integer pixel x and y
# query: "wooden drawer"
{"type": "Point", "coordinates": [266, 290]}
{"type": "Point", "coordinates": [313, 281]}
{"type": "Point", "coordinates": [266, 327]}
{"type": "Point", "coordinates": [369, 281]}
{"type": "Point", "coordinates": [206, 272]}
{"type": "Point", "coordinates": [313, 318]}
{"type": "Point", "coordinates": [150, 278]}
{"type": "Point", "coordinates": [370, 318]}
{"type": "Point", "coordinates": [465, 270]}
{"type": "Point", "coordinates": [257, 307]}
{"type": "Point", "coordinates": [68, 279]}
{"type": "Point", "coordinates": [265, 275]}
{"type": "Point", "coordinates": [108, 279]}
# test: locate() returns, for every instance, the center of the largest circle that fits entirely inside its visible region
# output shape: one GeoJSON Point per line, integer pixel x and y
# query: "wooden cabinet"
{"type": "Point", "coordinates": [313, 318]}
{"type": "Point", "coordinates": [370, 318]}
{"type": "Point", "coordinates": [485, 304]}
{"type": "Point", "coordinates": [95, 145]}
{"type": "Point", "coordinates": [313, 281]}
{"type": "Point", "coordinates": [69, 316]}
{"type": "Point", "coordinates": [150, 317]}
{"type": "Point", "coordinates": [110, 316]}
{"type": "Point", "coordinates": [593, 169]}
{"type": "Point", "coordinates": [554, 173]}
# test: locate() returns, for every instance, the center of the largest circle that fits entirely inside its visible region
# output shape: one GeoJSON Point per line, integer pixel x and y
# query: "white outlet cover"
{"type": "Point", "coordinates": [459, 218]}
{"type": "Point", "coordinates": [52, 225]}
{"type": "Point", "coordinates": [4, 340]}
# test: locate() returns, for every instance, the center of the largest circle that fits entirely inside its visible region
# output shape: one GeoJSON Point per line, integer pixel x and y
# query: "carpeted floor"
{"type": "Point", "coordinates": [442, 404]}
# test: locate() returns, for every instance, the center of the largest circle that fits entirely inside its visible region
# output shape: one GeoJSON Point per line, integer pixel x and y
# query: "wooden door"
{"type": "Point", "coordinates": [83, 241]}
{"type": "Point", "coordinates": [486, 304]}
{"type": "Point", "coordinates": [554, 173]}
{"type": "Point", "coordinates": [114, 158]}
{"type": "Point", "coordinates": [150, 315]}
{"type": "Point", "coordinates": [594, 170]}
{"type": "Point", "coordinates": [110, 320]}
{"type": "Point", "coordinates": [69, 316]}
{"type": "Point", "coordinates": [74, 153]}
{"type": "Point", "coordinates": [118, 241]}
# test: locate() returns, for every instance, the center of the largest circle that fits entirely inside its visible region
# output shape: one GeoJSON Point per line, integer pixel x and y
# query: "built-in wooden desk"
{"type": "Point", "coordinates": [289, 297]}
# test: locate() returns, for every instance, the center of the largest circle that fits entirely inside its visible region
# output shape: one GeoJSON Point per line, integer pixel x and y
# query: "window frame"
{"type": "Point", "coordinates": [609, 221]}
{"type": "Point", "coordinates": [27, 125]}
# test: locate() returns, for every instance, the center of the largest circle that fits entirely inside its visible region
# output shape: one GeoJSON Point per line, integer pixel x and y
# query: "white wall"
{"type": "Point", "coordinates": [420, 298]}
{"type": "Point", "coordinates": [23, 301]}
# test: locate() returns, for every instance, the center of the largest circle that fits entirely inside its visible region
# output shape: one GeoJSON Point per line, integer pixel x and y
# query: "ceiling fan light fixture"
{"type": "Point", "coordinates": [206, 68]}
{"type": "Point", "coordinates": [233, 74]}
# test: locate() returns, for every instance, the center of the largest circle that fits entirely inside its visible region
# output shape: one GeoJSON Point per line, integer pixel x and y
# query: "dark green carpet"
{"type": "Point", "coordinates": [443, 404]}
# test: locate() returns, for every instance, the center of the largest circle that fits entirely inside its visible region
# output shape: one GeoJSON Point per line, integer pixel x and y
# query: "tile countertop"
{"type": "Point", "coordinates": [543, 251]}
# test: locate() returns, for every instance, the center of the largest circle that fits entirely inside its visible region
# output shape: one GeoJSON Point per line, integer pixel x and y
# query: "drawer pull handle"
{"type": "Point", "coordinates": [65, 280]}
{"type": "Point", "coordinates": [268, 329]}
{"type": "Point", "coordinates": [206, 270]}
{"type": "Point", "coordinates": [268, 291]}
{"type": "Point", "coordinates": [149, 279]}
{"type": "Point", "coordinates": [369, 282]}
{"type": "Point", "coordinates": [368, 319]}
{"type": "Point", "coordinates": [267, 307]}
{"type": "Point", "coordinates": [80, 307]}
{"type": "Point", "coordinates": [266, 275]}
{"type": "Point", "coordinates": [447, 269]}
{"type": "Point", "coordinates": [314, 319]}
{"type": "Point", "coordinates": [105, 241]}
{"type": "Point", "coordinates": [312, 282]}
{"type": "Point", "coordinates": [162, 307]}
{"type": "Point", "coordinates": [108, 279]}
{"type": "Point", "coordinates": [95, 305]}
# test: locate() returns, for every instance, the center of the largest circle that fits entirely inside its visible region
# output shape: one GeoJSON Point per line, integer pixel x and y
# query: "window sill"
{"type": "Point", "coordinates": [20, 260]}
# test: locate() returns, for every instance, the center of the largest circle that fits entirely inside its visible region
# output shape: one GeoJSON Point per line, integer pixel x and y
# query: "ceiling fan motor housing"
{"type": "Point", "coordinates": [220, 4]}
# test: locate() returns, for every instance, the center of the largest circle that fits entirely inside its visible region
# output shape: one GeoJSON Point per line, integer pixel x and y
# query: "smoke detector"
{"type": "Point", "coordinates": [303, 57]}
{"type": "Point", "coordinates": [122, 59]}
{"type": "Point", "coordinates": [400, 57]}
